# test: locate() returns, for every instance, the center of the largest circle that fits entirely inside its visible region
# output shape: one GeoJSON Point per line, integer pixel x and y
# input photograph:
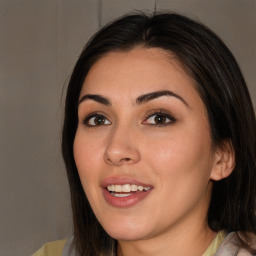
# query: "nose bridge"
{"type": "Point", "coordinates": [121, 146]}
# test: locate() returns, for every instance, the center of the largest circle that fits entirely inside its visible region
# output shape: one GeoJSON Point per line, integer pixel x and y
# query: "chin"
{"type": "Point", "coordinates": [126, 232]}
{"type": "Point", "coordinates": [125, 236]}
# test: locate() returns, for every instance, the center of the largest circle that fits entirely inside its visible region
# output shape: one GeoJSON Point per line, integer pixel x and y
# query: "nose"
{"type": "Point", "coordinates": [122, 147]}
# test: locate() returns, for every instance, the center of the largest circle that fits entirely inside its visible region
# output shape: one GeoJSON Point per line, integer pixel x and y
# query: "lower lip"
{"type": "Point", "coordinates": [123, 202]}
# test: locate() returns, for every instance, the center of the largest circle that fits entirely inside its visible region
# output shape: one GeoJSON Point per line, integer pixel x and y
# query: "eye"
{"type": "Point", "coordinates": [96, 120]}
{"type": "Point", "coordinates": [159, 119]}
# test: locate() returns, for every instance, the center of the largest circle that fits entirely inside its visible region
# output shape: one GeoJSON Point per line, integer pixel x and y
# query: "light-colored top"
{"type": "Point", "coordinates": [56, 248]}
{"type": "Point", "coordinates": [215, 244]}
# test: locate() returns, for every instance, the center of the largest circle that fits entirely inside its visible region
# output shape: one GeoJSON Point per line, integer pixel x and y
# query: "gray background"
{"type": "Point", "coordinates": [39, 44]}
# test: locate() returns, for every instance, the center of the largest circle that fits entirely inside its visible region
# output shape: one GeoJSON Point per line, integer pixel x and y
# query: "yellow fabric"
{"type": "Point", "coordinates": [215, 244]}
{"type": "Point", "coordinates": [54, 248]}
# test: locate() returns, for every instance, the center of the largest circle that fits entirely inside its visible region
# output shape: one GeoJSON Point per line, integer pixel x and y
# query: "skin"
{"type": "Point", "coordinates": [176, 158]}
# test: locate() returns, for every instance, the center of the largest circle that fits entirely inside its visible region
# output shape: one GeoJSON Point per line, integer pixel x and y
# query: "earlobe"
{"type": "Point", "coordinates": [224, 161]}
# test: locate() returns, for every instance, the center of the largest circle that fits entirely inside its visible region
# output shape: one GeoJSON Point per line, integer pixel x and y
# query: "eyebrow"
{"type": "Point", "coordinates": [95, 97]}
{"type": "Point", "coordinates": [140, 100]}
{"type": "Point", "coordinates": [154, 95]}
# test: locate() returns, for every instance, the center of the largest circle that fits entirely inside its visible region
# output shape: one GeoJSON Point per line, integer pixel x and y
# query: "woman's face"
{"type": "Point", "coordinates": [143, 147]}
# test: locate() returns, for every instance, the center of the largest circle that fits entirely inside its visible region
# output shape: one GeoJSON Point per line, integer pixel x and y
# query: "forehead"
{"type": "Point", "coordinates": [137, 71]}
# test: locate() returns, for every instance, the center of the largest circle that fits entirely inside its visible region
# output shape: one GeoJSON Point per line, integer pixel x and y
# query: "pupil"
{"type": "Point", "coordinates": [160, 119]}
{"type": "Point", "coordinates": [99, 120]}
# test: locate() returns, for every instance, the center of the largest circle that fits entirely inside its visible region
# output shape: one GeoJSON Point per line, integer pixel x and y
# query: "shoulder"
{"type": "Point", "coordinates": [231, 246]}
{"type": "Point", "coordinates": [54, 248]}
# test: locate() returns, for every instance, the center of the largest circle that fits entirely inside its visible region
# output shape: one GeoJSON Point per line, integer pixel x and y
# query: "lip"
{"type": "Point", "coordinates": [122, 181]}
{"type": "Point", "coordinates": [124, 202]}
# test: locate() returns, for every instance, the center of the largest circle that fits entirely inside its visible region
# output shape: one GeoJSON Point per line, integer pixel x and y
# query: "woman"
{"type": "Point", "coordinates": [159, 143]}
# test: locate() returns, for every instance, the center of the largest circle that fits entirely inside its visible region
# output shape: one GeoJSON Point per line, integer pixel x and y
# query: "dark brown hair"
{"type": "Point", "coordinates": [222, 88]}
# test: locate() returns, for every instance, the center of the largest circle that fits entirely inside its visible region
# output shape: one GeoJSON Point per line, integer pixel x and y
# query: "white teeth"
{"type": "Point", "coordinates": [118, 188]}
{"type": "Point", "coordinates": [120, 195]}
{"type": "Point", "coordinates": [140, 188]}
{"type": "Point", "coordinates": [126, 188]}
{"type": "Point", "coordinates": [134, 188]}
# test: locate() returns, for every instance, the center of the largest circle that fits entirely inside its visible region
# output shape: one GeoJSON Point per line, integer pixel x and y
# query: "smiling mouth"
{"type": "Point", "coordinates": [126, 190]}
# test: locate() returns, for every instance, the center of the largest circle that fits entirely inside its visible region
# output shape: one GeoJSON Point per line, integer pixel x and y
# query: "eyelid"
{"type": "Point", "coordinates": [162, 112]}
{"type": "Point", "coordinates": [86, 119]}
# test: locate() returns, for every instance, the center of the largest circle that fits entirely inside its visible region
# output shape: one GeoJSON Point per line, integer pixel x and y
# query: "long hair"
{"type": "Point", "coordinates": [222, 88]}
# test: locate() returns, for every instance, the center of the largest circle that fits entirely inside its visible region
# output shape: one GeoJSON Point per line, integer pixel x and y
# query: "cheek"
{"type": "Point", "coordinates": [185, 156]}
{"type": "Point", "coordinates": [87, 157]}
{"type": "Point", "coordinates": [183, 168]}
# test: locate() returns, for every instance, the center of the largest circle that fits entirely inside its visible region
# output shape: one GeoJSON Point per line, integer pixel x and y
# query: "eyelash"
{"type": "Point", "coordinates": [153, 113]}
{"type": "Point", "coordinates": [161, 113]}
{"type": "Point", "coordinates": [86, 120]}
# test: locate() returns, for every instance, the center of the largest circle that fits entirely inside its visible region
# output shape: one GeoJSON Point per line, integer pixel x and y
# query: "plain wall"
{"type": "Point", "coordinates": [39, 44]}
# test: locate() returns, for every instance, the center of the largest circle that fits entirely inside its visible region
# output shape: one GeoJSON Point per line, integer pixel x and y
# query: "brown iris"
{"type": "Point", "coordinates": [160, 119]}
{"type": "Point", "coordinates": [99, 120]}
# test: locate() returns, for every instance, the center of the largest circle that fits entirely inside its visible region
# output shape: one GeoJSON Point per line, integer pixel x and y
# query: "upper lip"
{"type": "Point", "coordinates": [122, 181]}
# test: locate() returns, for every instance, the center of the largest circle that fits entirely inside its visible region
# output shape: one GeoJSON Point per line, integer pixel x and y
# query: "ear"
{"type": "Point", "coordinates": [224, 161]}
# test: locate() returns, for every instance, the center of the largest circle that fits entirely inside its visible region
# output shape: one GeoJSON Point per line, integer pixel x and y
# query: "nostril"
{"type": "Point", "coordinates": [120, 162]}
{"type": "Point", "coordinates": [109, 161]}
{"type": "Point", "coordinates": [126, 159]}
